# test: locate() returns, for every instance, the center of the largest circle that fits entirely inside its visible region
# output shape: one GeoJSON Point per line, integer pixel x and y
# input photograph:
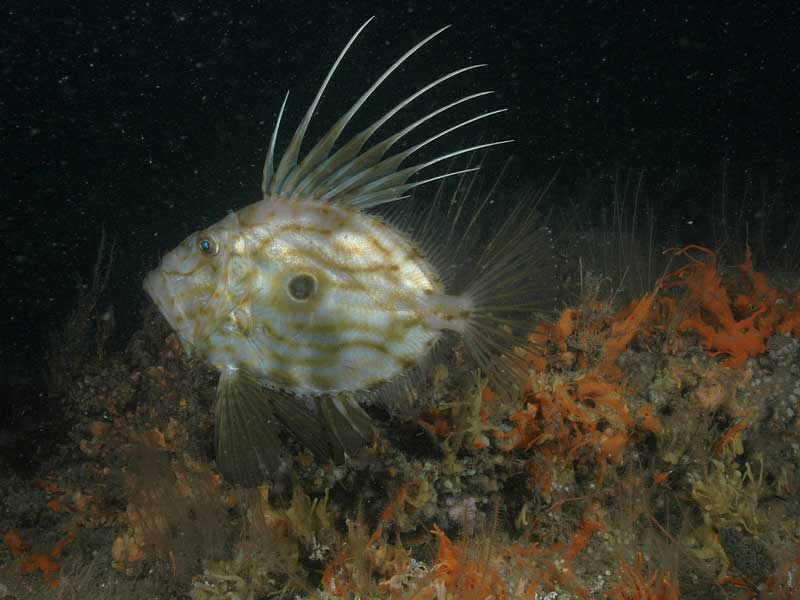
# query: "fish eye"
{"type": "Point", "coordinates": [208, 246]}
{"type": "Point", "coordinates": [302, 286]}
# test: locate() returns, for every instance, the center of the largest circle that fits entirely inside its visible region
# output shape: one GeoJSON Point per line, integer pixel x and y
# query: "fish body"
{"type": "Point", "coordinates": [306, 299]}
{"type": "Point", "coordinates": [306, 296]}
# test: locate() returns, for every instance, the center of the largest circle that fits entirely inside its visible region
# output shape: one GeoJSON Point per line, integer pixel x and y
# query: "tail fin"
{"type": "Point", "coordinates": [511, 285]}
{"type": "Point", "coordinates": [507, 273]}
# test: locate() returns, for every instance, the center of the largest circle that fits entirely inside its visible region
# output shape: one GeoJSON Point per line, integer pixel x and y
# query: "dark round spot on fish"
{"type": "Point", "coordinates": [301, 287]}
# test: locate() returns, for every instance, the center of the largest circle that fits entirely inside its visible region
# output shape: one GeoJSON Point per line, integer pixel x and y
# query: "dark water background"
{"type": "Point", "coordinates": [152, 118]}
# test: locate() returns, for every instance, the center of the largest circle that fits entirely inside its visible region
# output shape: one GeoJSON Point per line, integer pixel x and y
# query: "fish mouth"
{"type": "Point", "coordinates": [158, 288]}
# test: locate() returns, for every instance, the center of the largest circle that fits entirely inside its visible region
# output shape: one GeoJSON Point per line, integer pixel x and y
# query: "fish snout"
{"type": "Point", "coordinates": [157, 286]}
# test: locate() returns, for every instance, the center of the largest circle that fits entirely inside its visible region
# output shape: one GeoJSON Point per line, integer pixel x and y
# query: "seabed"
{"type": "Point", "coordinates": [652, 453]}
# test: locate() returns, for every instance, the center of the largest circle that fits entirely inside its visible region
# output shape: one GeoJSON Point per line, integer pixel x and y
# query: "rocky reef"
{"type": "Point", "coordinates": [651, 454]}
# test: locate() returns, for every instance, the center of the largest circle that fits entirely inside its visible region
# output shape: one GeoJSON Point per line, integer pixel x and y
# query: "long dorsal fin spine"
{"type": "Point", "coordinates": [352, 175]}
{"type": "Point", "coordinates": [362, 164]}
{"type": "Point", "coordinates": [387, 166]}
{"type": "Point", "coordinates": [385, 196]}
{"type": "Point", "coordinates": [289, 159]}
{"type": "Point", "coordinates": [269, 171]}
{"type": "Point", "coordinates": [352, 148]}
{"type": "Point", "coordinates": [396, 181]}
{"type": "Point", "coordinates": [323, 147]}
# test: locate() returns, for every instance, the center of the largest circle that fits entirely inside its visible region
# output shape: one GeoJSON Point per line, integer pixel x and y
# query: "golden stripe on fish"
{"type": "Point", "coordinates": [278, 344]}
{"type": "Point", "coordinates": [305, 367]}
{"type": "Point", "coordinates": [307, 292]}
{"type": "Point", "coordinates": [345, 332]}
{"type": "Point", "coordinates": [353, 241]}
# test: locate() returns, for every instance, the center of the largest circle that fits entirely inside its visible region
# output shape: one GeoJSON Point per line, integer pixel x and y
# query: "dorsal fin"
{"type": "Point", "coordinates": [289, 160]}
{"type": "Point", "coordinates": [364, 177]}
{"type": "Point", "coordinates": [320, 152]}
{"type": "Point", "coordinates": [352, 175]}
{"type": "Point", "coordinates": [269, 171]}
{"type": "Point", "coordinates": [351, 149]}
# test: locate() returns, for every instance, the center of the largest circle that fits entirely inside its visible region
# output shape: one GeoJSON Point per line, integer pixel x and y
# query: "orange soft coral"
{"type": "Point", "coordinates": [735, 327]}
{"type": "Point", "coordinates": [623, 330]}
{"type": "Point", "coordinates": [546, 336]}
{"type": "Point", "coordinates": [467, 579]}
{"type": "Point", "coordinates": [558, 422]}
{"type": "Point", "coordinates": [720, 332]}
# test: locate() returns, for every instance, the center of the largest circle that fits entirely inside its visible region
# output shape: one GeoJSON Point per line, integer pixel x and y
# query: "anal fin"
{"type": "Point", "coordinates": [302, 423]}
{"type": "Point", "coordinates": [350, 427]}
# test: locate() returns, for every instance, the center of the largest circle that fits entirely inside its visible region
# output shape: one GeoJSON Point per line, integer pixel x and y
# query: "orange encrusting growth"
{"type": "Point", "coordinates": [728, 438]}
{"type": "Point", "coordinates": [634, 585]}
{"type": "Point", "coordinates": [458, 571]}
{"type": "Point", "coordinates": [537, 567]}
{"type": "Point", "coordinates": [560, 417]}
{"type": "Point", "coordinates": [470, 579]}
{"type": "Point", "coordinates": [14, 543]}
{"type": "Point", "coordinates": [557, 422]}
{"type": "Point", "coordinates": [45, 563]}
{"type": "Point", "coordinates": [624, 330]}
{"type": "Point", "coordinates": [586, 405]}
{"type": "Point", "coordinates": [578, 405]}
{"type": "Point", "coordinates": [736, 328]}
{"type": "Point", "coordinates": [548, 567]}
{"type": "Point", "coordinates": [334, 576]}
